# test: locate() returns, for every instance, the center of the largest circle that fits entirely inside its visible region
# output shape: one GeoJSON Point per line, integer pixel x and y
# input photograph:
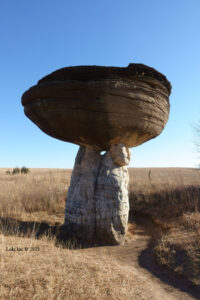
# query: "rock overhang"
{"type": "Point", "coordinates": [99, 106]}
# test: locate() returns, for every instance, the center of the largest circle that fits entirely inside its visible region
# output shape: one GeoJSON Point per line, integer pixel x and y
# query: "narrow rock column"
{"type": "Point", "coordinates": [80, 209]}
{"type": "Point", "coordinates": [111, 196]}
{"type": "Point", "coordinates": [97, 203]}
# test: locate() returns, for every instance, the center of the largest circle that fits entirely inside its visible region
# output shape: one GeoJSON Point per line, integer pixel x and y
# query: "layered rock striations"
{"type": "Point", "coordinates": [100, 106]}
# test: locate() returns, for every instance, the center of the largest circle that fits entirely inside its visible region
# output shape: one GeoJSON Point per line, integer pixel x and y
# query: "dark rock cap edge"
{"type": "Point", "coordinates": [84, 73]}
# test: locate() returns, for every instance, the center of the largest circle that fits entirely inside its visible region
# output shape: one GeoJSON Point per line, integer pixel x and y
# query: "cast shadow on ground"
{"type": "Point", "coordinates": [10, 226]}
{"type": "Point", "coordinates": [61, 234]}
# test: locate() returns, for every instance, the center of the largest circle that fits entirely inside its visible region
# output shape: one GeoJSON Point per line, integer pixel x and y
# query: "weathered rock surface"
{"type": "Point", "coordinates": [80, 206]}
{"type": "Point", "coordinates": [100, 106]}
{"type": "Point", "coordinates": [111, 196]}
{"type": "Point", "coordinates": [97, 203]}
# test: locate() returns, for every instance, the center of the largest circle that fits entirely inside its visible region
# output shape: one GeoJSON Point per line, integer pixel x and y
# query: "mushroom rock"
{"type": "Point", "coordinates": [100, 108]}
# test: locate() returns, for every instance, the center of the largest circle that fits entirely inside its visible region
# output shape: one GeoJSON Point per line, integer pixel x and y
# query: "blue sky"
{"type": "Point", "coordinates": [38, 37]}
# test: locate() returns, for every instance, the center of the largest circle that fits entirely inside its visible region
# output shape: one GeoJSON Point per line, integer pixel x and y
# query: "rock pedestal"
{"type": "Point", "coordinates": [97, 203]}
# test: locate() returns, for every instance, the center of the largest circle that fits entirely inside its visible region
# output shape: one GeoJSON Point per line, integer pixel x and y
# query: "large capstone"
{"type": "Point", "coordinates": [100, 106]}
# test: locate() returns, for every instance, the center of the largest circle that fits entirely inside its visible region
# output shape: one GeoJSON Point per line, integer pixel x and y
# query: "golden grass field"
{"type": "Point", "coordinates": [171, 198]}
{"type": "Point", "coordinates": [35, 201]}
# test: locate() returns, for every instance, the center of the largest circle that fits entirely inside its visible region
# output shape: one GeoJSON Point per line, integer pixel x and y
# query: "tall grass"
{"type": "Point", "coordinates": [166, 192]}
{"type": "Point", "coordinates": [33, 192]}
{"type": "Point", "coordinates": [171, 198]}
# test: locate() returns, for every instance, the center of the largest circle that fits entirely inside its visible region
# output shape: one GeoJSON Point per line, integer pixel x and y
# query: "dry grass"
{"type": "Point", "coordinates": [56, 273]}
{"type": "Point", "coordinates": [172, 190]}
{"type": "Point", "coordinates": [39, 193]}
{"type": "Point", "coordinates": [170, 197]}
{"type": "Point", "coordinates": [53, 272]}
{"type": "Point", "coordinates": [179, 248]}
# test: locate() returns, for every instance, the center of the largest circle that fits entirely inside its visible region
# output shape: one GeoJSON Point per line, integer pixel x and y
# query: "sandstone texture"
{"type": "Point", "coordinates": [97, 205]}
{"type": "Point", "coordinates": [97, 107]}
{"type": "Point", "coordinates": [111, 196]}
{"type": "Point", "coordinates": [80, 205]}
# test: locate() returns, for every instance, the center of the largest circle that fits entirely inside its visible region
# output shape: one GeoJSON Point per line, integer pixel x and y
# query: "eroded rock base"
{"type": "Point", "coordinates": [97, 203]}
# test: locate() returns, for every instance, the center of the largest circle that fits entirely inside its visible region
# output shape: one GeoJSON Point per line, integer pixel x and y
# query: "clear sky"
{"type": "Point", "coordinates": [40, 36]}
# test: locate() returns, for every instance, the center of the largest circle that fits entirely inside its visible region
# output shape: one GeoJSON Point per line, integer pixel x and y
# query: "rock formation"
{"type": "Point", "coordinates": [100, 108]}
{"type": "Point", "coordinates": [111, 195]}
{"type": "Point", "coordinates": [97, 203]}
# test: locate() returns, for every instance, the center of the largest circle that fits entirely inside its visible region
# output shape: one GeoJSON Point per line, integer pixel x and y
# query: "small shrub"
{"type": "Point", "coordinates": [24, 170]}
{"type": "Point", "coordinates": [16, 171]}
{"type": "Point", "coordinates": [8, 172]}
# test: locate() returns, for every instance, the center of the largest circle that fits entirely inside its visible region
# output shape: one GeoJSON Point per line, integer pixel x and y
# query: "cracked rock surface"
{"type": "Point", "coordinates": [97, 203]}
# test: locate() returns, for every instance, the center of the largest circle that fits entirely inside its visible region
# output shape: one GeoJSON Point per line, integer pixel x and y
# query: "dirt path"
{"type": "Point", "coordinates": [136, 256]}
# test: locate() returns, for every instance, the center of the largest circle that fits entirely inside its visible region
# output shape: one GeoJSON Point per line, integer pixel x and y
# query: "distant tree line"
{"type": "Point", "coordinates": [17, 170]}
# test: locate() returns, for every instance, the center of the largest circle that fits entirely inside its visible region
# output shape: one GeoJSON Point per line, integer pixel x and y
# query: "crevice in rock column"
{"type": "Point", "coordinates": [97, 201]}
{"type": "Point", "coordinates": [95, 187]}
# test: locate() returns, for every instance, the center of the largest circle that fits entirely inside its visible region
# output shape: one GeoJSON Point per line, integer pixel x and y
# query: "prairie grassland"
{"type": "Point", "coordinates": [49, 271]}
{"type": "Point", "coordinates": [170, 197]}
{"type": "Point", "coordinates": [39, 194]}
{"type": "Point", "coordinates": [53, 272]}
{"type": "Point", "coordinates": [164, 192]}
{"type": "Point", "coordinates": [57, 273]}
